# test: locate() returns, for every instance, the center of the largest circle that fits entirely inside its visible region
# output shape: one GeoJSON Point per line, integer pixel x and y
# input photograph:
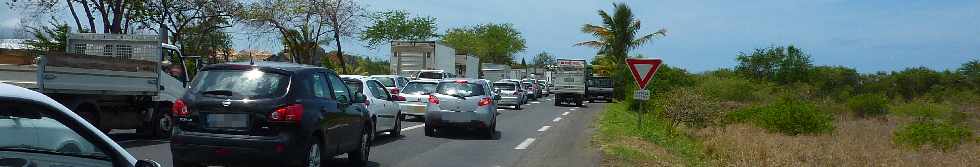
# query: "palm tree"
{"type": "Point", "coordinates": [617, 35]}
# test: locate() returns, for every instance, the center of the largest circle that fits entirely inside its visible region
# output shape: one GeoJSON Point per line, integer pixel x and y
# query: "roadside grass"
{"type": "Point", "coordinates": [655, 144]}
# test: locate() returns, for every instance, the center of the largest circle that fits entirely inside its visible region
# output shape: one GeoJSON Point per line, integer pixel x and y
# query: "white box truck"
{"type": "Point", "coordinates": [570, 79]}
{"type": "Point", "coordinates": [114, 81]}
{"type": "Point", "coordinates": [467, 66]}
{"type": "Point", "coordinates": [496, 72]}
{"type": "Point", "coordinates": [408, 58]}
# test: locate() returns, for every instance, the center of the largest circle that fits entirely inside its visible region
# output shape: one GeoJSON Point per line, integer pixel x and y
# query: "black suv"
{"type": "Point", "coordinates": [269, 113]}
{"type": "Point", "coordinates": [600, 88]}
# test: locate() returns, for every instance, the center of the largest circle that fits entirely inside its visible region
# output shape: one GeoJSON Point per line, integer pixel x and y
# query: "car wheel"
{"type": "Point", "coordinates": [578, 103]}
{"type": "Point", "coordinates": [429, 131]}
{"type": "Point", "coordinates": [557, 102]}
{"type": "Point", "coordinates": [517, 107]}
{"type": "Point", "coordinates": [162, 123]}
{"type": "Point", "coordinates": [591, 100]}
{"type": "Point", "coordinates": [359, 157]}
{"type": "Point", "coordinates": [314, 156]}
{"type": "Point", "coordinates": [186, 163]}
{"type": "Point", "coordinates": [397, 131]}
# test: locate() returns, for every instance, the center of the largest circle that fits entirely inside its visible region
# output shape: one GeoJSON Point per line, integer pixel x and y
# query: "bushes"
{"type": "Point", "coordinates": [791, 117]}
{"type": "Point", "coordinates": [939, 134]}
{"type": "Point", "coordinates": [691, 107]}
{"type": "Point", "coordinates": [868, 105]}
{"type": "Point", "coordinates": [922, 110]}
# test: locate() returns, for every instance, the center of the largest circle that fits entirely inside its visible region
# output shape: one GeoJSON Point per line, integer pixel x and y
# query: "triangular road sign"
{"type": "Point", "coordinates": [643, 70]}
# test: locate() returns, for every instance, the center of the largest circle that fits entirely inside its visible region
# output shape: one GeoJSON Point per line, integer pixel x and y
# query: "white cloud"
{"type": "Point", "coordinates": [9, 22]}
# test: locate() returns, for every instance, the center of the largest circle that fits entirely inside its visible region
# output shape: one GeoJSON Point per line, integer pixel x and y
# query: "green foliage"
{"type": "Point", "coordinates": [925, 111]}
{"type": "Point", "coordinates": [691, 107]}
{"type": "Point", "coordinates": [868, 105]}
{"type": "Point", "coordinates": [790, 117]}
{"type": "Point", "coordinates": [204, 41]}
{"type": "Point", "coordinates": [618, 121]}
{"type": "Point", "coordinates": [778, 64]}
{"type": "Point", "coordinates": [834, 81]}
{"type": "Point", "coordinates": [396, 25]}
{"type": "Point", "coordinates": [914, 82]}
{"type": "Point", "coordinates": [493, 43]}
{"type": "Point", "coordinates": [942, 135]}
{"type": "Point", "coordinates": [544, 59]}
{"type": "Point", "coordinates": [971, 74]}
{"type": "Point", "coordinates": [54, 38]}
{"type": "Point", "coordinates": [733, 88]}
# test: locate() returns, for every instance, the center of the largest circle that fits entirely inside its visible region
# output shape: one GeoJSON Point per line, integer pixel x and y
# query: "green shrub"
{"type": "Point", "coordinates": [733, 88]}
{"type": "Point", "coordinates": [791, 117]}
{"type": "Point", "coordinates": [691, 107]}
{"type": "Point", "coordinates": [938, 134]}
{"type": "Point", "coordinates": [923, 110]}
{"type": "Point", "coordinates": [868, 105]}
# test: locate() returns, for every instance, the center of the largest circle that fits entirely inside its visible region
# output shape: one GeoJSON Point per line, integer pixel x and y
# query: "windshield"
{"type": "Point", "coordinates": [460, 89]}
{"type": "Point", "coordinates": [504, 86]}
{"type": "Point", "coordinates": [431, 75]}
{"type": "Point", "coordinates": [253, 84]}
{"type": "Point", "coordinates": [34, 132]}
{"type": "Point", "coordinates": [419, 88]}
{"type": "Point", "coordinates": [354, 85]}
{"type": "Point", "coordinates": [386, 81]}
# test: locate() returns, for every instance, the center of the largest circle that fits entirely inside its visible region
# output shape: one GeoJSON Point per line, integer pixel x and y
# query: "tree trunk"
{"type": "Point", "coordinates": [88, 14]}
{"type": "Point", "coordinates": [78, 24]}
{"type": "Point", "coordinates": [340, 51]}
{"type": "Point", "coordinates": [117, 15]}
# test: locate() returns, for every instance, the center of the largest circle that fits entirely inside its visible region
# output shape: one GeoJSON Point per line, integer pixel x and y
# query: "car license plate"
{"type": "Point", "coordinates": [457, 116]}
{"type": "Point", "coordinates": [227, 120]}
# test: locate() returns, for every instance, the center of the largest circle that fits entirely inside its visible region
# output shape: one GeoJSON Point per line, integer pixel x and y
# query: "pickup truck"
{"type": "Point", "coordinates": [114, 81]}
{"type": "Point", "coordinates": [600, 88]}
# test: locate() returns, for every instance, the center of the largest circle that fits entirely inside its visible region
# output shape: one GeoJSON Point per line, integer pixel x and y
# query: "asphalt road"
{"type": "Point", "coordinates": [540, 134]}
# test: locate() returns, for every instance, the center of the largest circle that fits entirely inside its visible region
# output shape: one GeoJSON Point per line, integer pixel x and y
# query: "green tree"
{"type": "Point", "coordinates": [116, 16]}
{"type": "Point", "coordinates": [203, 41]}
{"type": "Point", "coordinates": [914, 82]}
{"type": "Point", "coordinates": [543, 59]}
{"type": "Point", "coordinates": [779, 64]}
{"type": "Point", "coordinates": [970, 71]}
{"type": "Point", "coordinates": [53, 38]}
{"type": "Point", "coordinates": [302, 25]}
{"type": "Point", "coordinates": [396, 25]}
{"type": "Point", "coordinates": [492, 43]}
{"type": "Point", "coordinates": [615, 38]}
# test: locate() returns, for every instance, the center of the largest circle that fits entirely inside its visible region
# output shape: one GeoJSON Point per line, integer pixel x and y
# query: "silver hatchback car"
{"type": "Point", "coordinates": [466, 103]}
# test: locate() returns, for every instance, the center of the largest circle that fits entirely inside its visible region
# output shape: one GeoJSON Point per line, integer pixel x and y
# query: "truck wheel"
{"type": "Point", "coordinates": [163, 122]}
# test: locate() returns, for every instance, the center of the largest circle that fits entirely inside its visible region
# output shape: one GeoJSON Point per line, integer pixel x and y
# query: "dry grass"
{"type": "Point", "coordinates": [855, 142]}
{"type": "Point", "coordinates": [633, 151]}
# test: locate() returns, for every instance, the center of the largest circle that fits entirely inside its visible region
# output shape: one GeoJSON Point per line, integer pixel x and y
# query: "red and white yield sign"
{"type": "Point", "coordinates": [643, 70]}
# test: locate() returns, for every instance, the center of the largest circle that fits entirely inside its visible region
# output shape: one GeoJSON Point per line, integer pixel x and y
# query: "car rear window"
{"type": "Point", "coordinates": [253, 84]}
{"type": "Point", "coordinates": [505, 86]}
{"type": "Point", "coordinates": [419, 88]}
{"type": "Point", "coordinates": [460, 89]}
{"type": "Point", "coordinates": [386, 81]}
{"type": "Point", "coordinates": [354, 85]}
{"type": "Point", "coordinates": [431, 75]}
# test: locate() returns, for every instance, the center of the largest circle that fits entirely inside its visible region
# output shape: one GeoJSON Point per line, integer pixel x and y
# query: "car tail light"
{"type": "Point", "coordinates": [290, 113]}
{"type": "Point", "coordinates": [179, 109]}
{"type": "Point", "coordinates": [395, 91]}
{"type": "Point", "coordinates": [433, 99]}
{"type": "Point", "coordinates": [485, 101]}
{"type": "Point", "coordinates": [460, 81]}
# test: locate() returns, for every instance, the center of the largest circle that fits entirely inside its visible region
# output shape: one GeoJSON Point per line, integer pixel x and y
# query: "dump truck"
{"type": "Point", "coordinates": [114, 81]}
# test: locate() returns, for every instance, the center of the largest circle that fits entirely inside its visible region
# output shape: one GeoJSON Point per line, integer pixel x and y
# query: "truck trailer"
{"type": "Point", "coordinates": [410, 57]}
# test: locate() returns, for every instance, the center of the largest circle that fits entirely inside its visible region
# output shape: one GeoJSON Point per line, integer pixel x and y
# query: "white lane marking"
{"type": "Point", "coordinates": [534, 102]}
{"type": "Point", "coordinates": [556, 119]}
{"type": "Point", "coordinates": [523, 145]}
{"type": "Point", "coordinates": [544, 128]}
{"type": "Point", "coordinates": [566, 113]}
{"type": "Point", "coordinates": [412, 127]}
{"type": "Point", "coordinates": [571, 109]}
{"type": "Point", "coordinates": [500, 109]}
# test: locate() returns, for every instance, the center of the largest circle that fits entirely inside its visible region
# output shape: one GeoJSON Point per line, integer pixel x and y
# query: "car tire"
{"type": "Point", "coordinates": [186, 163]}
{"type": "Point", "coordinates": [579, 103]}
{"type": "Point", "coordinates": [314, 154]}
{"type": "Point", "coordinates": [430, 132]}
{"type": "Point", "coordinates": [162, 122]}
{"type": "Point", "coordinates": [517, 107]}
{"type": "Point", "coordinates": [397, 131]}
{"type": "Point", "coordinates": [557, 102]}
{"type": "Point", "coordinates": [359, 156]}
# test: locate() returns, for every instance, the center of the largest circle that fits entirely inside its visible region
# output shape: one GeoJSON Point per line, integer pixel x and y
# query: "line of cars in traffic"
{"type": "Point", "coordinates": [267, 113]}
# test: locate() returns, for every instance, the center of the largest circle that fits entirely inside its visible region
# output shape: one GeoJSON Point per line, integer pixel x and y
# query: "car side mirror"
{"type": "Point", "coordinates": [147, 163]}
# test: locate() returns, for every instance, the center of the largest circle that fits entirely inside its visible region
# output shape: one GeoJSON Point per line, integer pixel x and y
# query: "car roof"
{"type": "Point", "coordinates": [353, 76]}
{"type": "Point", "coordinates": [285, 66]}
{"type": "Point", "coordinates": [393, 76]}
{"type": "Point", "coordinates": [425, 80]}
{"type": "Point", "coordinates": [463, 79]}
{"type": "Point", "coordinates": [11, 91]}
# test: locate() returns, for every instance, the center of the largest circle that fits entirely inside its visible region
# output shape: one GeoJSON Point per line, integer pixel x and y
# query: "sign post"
{"type": "Point", "coordinates": [643, 71]}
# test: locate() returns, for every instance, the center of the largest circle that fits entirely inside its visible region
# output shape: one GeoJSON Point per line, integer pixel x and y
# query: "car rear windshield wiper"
{"type": "Point", "coordinates": [218, 92]}
{"type": "Point", "coordinates": [35, 149]}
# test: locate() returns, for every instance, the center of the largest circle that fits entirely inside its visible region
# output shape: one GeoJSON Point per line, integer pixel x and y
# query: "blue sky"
{"type": "Point", "coordinates": [869, 35]}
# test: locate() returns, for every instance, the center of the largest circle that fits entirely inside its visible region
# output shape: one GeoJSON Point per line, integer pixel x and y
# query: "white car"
{"type": "Point", "coordinates": [393, 83]}
{"type": "Point", "coordinates": [416, 94]}
{"type": "Point", "coordinates": [38, 131]}
{"type": "Point", "coordinates": [383, 107]}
